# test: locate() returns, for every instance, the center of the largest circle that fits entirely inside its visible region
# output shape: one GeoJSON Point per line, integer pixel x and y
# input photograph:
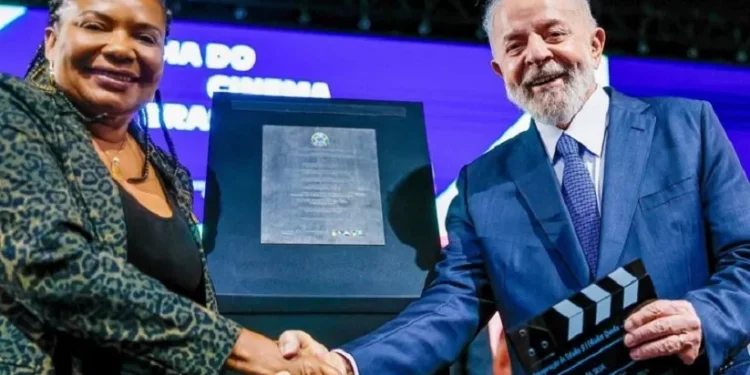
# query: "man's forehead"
{"type": "Point", "coordinates": [514, 15]}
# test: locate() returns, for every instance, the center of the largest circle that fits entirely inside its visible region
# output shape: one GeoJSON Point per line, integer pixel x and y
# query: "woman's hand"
{"type": "Point", "coordinates": [296, 344]}
{"type": "Point", "coordinates": [254, 354]}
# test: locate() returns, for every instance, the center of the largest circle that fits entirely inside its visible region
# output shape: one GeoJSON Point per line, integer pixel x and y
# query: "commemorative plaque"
{"type": "Point", "coordinates": [318, 209]}
{"type": "Point", "coordinates": [320, 186]}
{"type": "Point", "coordinates": [584, 334]}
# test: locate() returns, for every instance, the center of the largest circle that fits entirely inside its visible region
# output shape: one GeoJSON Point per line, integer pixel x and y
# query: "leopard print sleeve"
{"type": "Point", "coordinates": [51, 267]}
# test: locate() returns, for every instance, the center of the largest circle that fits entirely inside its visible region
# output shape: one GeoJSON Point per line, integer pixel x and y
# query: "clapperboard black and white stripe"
{"type": "Point", "coordinates": [583, 315]}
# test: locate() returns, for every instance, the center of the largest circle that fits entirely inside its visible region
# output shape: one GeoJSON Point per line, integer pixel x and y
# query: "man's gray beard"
{"type": "Point", "coordinates": [559, 105]}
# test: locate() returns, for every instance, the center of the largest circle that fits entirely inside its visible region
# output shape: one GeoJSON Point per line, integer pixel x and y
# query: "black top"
{"type": "Point", "coordinates": [164, 248]}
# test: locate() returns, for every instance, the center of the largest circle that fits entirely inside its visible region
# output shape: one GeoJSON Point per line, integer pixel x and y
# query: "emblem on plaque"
{"type": "Point", "coordinates": [320, 140]}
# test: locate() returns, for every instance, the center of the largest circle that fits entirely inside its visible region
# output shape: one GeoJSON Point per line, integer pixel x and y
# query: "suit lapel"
{"type": "Point", "coordinates": [628, 144]}
{"type": "Point", "coordinates": [534, 177]}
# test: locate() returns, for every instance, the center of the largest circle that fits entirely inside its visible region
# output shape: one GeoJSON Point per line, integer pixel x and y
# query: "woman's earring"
{"type": "Point", "coordinates": [51, 72]}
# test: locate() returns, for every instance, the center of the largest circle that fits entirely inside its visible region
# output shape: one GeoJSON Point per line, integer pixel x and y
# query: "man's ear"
{"type": "Point", "coordinates": [496, 68]}
{"type": "Point", "coordinates": [598, 39]}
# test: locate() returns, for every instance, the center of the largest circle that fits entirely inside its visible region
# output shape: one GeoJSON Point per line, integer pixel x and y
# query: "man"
{"type": "Point", "coordinates": [599, 180]}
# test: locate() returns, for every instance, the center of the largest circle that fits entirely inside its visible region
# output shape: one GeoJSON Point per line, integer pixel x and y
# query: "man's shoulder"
{"type": "Point", "coordinates": [663, 105]}
{"type": "Point", "coordinates": [670, 104]}
{"type": "Point", "coordinates": [676, 116]}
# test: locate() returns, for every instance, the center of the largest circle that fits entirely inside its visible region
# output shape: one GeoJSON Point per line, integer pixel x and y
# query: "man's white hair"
{"type": "Point", "coordinates": [584, 7]}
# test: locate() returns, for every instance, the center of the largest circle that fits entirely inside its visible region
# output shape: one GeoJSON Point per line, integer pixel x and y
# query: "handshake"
{"type": "Point", "coordinates": [295, 353]}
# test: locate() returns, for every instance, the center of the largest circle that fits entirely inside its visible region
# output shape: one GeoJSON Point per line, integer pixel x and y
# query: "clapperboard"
{"type": "Point", "coordinates": [583, 334]}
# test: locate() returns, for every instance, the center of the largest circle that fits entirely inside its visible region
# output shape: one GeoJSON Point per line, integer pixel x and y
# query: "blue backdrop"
{"type": "Point", "coordinates": [465, 105]}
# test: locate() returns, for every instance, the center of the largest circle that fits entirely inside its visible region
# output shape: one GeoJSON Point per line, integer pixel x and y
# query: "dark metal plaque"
{"type": "Point", "coordinates": [321, 186]}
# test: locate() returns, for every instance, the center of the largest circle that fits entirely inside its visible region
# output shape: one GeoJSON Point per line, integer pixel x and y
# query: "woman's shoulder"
{"type": "Point", "coordinates": [21, 98]}
{"type": "Point", "coordinates": [13, 84]}
{"type": "Point", "coordinates": [15, 89]}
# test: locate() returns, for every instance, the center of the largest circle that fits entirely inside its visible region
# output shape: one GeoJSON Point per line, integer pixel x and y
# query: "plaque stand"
{"type": "Point", "coordinates": [337, 289]}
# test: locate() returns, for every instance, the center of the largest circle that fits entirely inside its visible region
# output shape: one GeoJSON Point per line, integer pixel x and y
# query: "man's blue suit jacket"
{"type": "Point", "coordinates": [675, 195]}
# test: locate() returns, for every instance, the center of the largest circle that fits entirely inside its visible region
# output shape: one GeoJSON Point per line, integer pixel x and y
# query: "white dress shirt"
{"type": "Point", "coordinates": [589, 128]}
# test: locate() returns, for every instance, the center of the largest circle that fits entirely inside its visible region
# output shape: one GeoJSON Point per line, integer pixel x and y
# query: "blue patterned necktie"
{"type": "Point", "coordinates": [580, 198]}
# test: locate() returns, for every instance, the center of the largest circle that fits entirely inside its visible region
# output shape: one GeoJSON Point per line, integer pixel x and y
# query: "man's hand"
{"type": "Point", "coordinates": [254, 354]}
{"type": "Point", "coordinates": [299, 344]}
{"type": "Point", "coordinates": [664, 328]}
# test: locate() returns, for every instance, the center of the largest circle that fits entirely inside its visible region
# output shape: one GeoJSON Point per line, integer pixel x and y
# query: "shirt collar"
{"type": "Point", "coordinates": [588, 126]}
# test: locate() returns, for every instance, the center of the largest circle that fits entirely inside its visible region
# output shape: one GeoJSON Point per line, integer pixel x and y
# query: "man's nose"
{"type": "Point", "coordinates": [537, 51]}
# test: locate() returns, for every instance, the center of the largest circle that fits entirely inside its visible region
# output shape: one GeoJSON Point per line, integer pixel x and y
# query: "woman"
{"type": "Point", "coordinates": [102, 271]}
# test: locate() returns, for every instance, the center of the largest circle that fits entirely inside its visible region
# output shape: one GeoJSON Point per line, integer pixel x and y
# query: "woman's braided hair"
{"type": "Point", "coordinates": [39, 66]}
